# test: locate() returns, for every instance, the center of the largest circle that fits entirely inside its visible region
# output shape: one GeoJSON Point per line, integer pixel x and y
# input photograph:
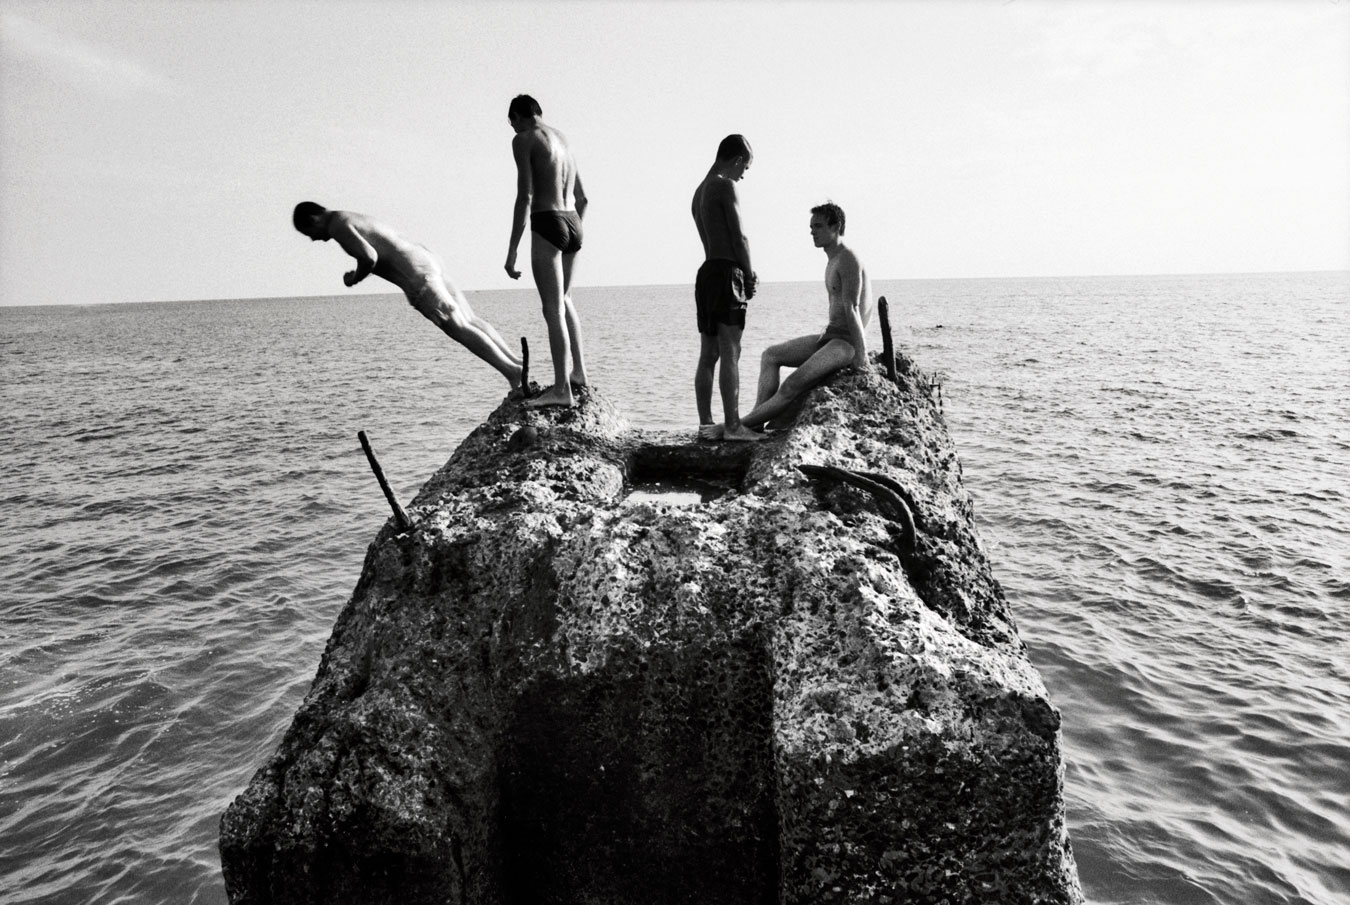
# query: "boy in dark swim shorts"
{"type": "Point", "coordinates": [719, 294]}
{"type": "Point", "coordinates": [725, 282]}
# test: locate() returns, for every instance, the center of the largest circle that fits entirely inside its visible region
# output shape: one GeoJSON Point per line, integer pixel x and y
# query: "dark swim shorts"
{"type": "Point", "coordinates": [719, 292]}
{"type": "Point", "coordinates": [561, 228]}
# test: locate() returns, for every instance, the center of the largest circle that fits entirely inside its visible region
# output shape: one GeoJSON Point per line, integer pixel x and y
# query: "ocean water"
{"type": "Point", "coordinates": [1159, 466]}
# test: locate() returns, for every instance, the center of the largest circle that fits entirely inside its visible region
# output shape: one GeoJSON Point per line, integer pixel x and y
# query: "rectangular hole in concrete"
{"type": "Point", "coordinates": [686, 474]}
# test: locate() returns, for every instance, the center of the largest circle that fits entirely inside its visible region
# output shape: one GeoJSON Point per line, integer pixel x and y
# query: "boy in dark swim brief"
{"type": "Point", "coordinates": [561, 228]}
{"type": "Point", "coordinates": [843, 342]}
{"type": "Point", "coordinates": [548, 188]}
{"type": "Point", "coordinates": [719, 295]}
{"type": "Point", "coordinates": [833, 332]}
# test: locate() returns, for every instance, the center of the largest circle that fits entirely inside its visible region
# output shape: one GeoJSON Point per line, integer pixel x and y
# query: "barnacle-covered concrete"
{"type": "Point", "coordinates": [552, 692]}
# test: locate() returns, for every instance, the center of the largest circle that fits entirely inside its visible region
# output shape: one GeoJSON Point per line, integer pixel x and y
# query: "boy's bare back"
{"type": "Point", "coordinates": [553, 169]}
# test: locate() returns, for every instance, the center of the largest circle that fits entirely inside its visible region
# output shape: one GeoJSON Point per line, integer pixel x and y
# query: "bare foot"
{"type": "Point", "coordinates": [551, 397]}
{"type": "Point", "coordinates": [742, 433]}
{"type": "Point", "coordinates": [710, 431]}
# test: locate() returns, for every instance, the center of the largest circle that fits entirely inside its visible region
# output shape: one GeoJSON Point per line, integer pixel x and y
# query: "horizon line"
{"type": "Point", "coordinates": [396, 292]}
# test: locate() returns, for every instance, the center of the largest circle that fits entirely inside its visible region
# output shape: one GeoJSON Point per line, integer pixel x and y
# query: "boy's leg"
{"type": "Point", "coordinates": [790, 354]}
{"type": "Point", "coordinates": [438, 305]}
{"type": "Point", "coordinates": [729, 381]}
{"type": "Point", "coordinates": [812, 366]}
{"type": "Point", "coordinates": [478, 323]}
{"type": "Point", "coordinates": [708, 353]}
{"type": "Point", "coordinates": [578, 373]}
{"type": "Point", "coordinates": [546, 262]}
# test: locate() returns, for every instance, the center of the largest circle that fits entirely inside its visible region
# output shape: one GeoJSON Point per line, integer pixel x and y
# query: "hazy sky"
{"type": "Point", "coordinates": [154, 150]}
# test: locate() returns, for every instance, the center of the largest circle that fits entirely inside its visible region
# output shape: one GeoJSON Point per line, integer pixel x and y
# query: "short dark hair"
{"type": "Point", "coordinates": [833, 214]}
{"type": "Point", "coordinates": [734, 146]}
{"type": "Point", "coordinates": [306, 212]}
{"type": "Point", "coordinates": [523, 105]}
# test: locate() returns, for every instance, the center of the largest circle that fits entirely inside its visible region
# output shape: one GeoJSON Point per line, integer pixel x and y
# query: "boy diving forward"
{"type": "Point", "coordinates": [414, 269]}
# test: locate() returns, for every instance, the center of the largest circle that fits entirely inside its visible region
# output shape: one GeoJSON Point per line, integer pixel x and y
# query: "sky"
{"type": "Point", "coordinates": [153, 151]}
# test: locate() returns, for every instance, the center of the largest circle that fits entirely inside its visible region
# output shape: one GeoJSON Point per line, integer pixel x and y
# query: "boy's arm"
{"type": "Point", "coordinates": [851, 291]}
{"type": "Point", "coordinates": [520, 150]}
{"type": "Point", "coordinates": [355, 244]}
{"type": "Point", "coordinates": [579, 196]}
{"type": "Point", "coordinates": [740, 245]}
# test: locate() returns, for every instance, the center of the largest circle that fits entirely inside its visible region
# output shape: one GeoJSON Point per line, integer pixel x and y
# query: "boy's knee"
{"type": "Point", "coordinates": [452, 321]}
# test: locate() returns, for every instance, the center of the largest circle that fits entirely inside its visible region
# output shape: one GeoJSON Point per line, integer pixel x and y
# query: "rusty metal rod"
{"type": "Point", "coordinates": [401, 519]}
{"type": "Point", "coordinates": [887, 347]}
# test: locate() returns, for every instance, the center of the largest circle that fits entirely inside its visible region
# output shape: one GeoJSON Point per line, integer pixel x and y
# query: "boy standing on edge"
{"type": "Point", "coordinates": [548, 188]}
{"type": "Point", "coordinates": [724, 284]}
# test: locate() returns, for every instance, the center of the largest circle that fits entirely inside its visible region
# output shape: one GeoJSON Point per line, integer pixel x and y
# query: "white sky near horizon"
{"type": "Point", "coordinates": [153, 149]}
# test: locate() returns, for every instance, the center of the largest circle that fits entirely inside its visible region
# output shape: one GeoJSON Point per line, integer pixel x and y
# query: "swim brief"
{"type": "Point", "coordinates": [719, 293]}
{"type": "Point", "coordinates": [832, 333]}
{"type": "Point", "coordinates": [561, 228]}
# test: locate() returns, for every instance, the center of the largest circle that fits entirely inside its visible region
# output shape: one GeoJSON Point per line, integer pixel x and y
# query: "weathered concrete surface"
{"type": "Point", "coordinates": [544, 694]}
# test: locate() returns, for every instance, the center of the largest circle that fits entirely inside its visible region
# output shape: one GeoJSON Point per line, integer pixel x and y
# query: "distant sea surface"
{"type": "Point", "coordinates": [1160, 467]}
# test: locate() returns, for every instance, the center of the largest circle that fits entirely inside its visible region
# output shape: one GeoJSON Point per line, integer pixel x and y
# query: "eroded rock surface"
{"type": "Point", "coordinates": [550, 693]}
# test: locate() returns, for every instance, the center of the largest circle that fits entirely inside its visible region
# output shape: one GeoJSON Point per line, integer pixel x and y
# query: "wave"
{"type": "Point", "coordinates": [1268, 434]}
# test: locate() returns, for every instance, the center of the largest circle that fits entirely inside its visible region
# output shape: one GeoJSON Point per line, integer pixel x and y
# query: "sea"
{"type": "Point", "coordinates": [1160, 467]}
